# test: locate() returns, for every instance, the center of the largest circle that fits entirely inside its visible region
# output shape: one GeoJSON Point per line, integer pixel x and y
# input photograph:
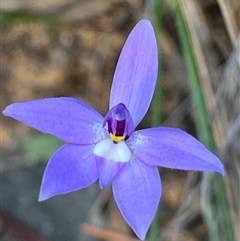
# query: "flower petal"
{"type": "Point", "coordinates": [173, 148]}
{"type": "Point", "coordinates": [69, 169]}
{"type": "Point", "coordinates": [137, 190]}
{"type": "Point", "coordinates": [66, 118]}
{"type": "Point", "coordinates": [111, 157]}
{"type": "Point", "coordinates": [107, 170]}
{"type": "Point", "coordinates": [115, 152]}
{"type": "Point", "coordinates": [136, 72]}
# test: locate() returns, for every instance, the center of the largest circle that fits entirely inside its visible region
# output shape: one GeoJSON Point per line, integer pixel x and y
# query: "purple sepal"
{"type": "Point", "coordinates": [137, 189]}
{"type": "Point", "coordinates": [69, 169]}
{"type": "Point", "coordinates": [173, 148]}
{"type": "Point", "coordinates": [66, 118]}
{"type": "Point", "coordinates": [136, 72]}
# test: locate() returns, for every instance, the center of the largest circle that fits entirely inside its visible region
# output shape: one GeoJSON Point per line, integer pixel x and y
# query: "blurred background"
{"type": "Point", "coordinates": [70, 48]}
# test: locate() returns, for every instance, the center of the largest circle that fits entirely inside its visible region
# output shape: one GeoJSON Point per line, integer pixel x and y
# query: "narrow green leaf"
{"type": "Point", "coordinates": [19, 17]}
{"type": "Point", "coordinates": [156, 102]}
{"type": "Point", "coordinates": [206, 136]}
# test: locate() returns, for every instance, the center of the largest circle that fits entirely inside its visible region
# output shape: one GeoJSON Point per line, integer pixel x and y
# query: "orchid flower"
{"type": "Point", "coordinates": [107, 148]}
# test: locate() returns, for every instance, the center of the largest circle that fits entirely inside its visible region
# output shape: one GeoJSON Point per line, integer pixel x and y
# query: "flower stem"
{"type": "Point", "coordinates": [156, 103]}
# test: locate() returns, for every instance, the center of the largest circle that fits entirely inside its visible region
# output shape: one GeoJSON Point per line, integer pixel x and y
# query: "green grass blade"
{"type": "Point", "coordinates": [205, 135]}
{"type": "Point", "coordinates": [9, 18]}
{"type": "Point", "coordinates": [223, 207]}
{"type": "Point", "coordinates": [156, 102]}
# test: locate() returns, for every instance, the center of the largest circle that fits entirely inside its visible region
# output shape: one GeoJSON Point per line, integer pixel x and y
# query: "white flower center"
{"type": "Point", "coordinates": [119, 152]}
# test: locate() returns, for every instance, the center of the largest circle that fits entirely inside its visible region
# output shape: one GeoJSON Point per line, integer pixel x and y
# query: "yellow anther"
{"type": "Point", "coordinates": [116, 138]}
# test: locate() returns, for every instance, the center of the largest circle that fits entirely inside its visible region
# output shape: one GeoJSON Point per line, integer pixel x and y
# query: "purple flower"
{"type": "Point", "coordinates": [108, 149]}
